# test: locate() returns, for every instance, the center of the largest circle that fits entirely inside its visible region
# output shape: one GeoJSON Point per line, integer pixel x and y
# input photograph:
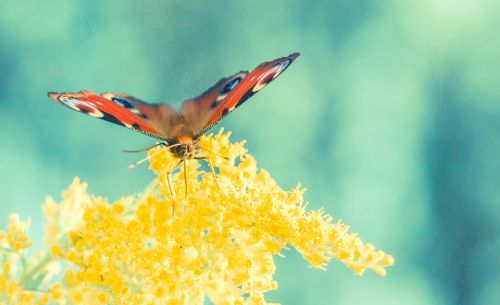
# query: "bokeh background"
{"type": "Point", "coordinates": [390, 118]}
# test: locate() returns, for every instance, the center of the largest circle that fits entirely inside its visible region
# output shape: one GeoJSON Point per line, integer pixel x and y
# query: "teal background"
{"type": "Point", "coordinates": [390, 118]}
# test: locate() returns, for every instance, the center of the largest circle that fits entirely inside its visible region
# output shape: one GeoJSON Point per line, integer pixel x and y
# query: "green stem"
{"type": "Point", "coordinates": [37, 268]}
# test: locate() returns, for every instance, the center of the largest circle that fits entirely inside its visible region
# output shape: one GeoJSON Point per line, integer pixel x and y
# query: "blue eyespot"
{"type": "Point", "coordinates": [122, 102]}
{"type": "Point", "coordinates": [230, 86]}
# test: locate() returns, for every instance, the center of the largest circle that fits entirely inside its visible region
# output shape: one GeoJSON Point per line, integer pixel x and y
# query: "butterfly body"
{"type": "Point", "coordinates": [179, 130]}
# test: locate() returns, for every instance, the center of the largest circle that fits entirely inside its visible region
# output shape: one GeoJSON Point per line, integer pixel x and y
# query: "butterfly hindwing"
{"type": "Point", "coordinates": [229, 93]}
{"type": "Point", "coordinates": [119, 109]}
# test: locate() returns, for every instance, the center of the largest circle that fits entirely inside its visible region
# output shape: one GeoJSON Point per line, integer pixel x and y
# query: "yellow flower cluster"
{"type": "Point", "coordinates": [167, 246]}
{"type": "Point", "coordinates": [13, 245]}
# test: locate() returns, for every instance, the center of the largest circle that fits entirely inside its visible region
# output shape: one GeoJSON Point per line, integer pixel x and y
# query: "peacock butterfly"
{"type": "Point", "coordinates": [180, 130]}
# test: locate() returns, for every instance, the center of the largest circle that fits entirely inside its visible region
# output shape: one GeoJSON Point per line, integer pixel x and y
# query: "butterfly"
{"type": "Point", "coordinates": [179, 130]}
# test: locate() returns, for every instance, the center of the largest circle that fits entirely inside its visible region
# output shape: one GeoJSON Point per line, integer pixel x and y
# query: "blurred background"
{"type": "Point", "coordinates": [390, 118]}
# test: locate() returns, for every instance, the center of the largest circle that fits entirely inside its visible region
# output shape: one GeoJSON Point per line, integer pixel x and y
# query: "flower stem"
{"type": "Point", "coordinates": [37, 268]}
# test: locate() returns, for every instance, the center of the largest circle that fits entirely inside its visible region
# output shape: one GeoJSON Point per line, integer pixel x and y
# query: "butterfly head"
{"type": "Point", "coordinates": [186, 148]}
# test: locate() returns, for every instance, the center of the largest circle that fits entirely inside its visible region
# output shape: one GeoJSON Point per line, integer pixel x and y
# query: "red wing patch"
{"type": "Point", "coordinates": [97, 106]}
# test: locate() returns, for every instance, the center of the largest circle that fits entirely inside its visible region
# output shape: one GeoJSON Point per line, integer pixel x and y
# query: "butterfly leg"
{"type": "Point", "coordinates": [170, 188]}
{"type": "Point", "coordinates": [210, 164]}
{"type": "Point", "coordinates": [172, 195]}
{"type": "Point", "coordinates": [185, 179]}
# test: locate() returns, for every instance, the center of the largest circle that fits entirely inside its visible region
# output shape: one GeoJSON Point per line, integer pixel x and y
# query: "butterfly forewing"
{"type": "Point", "coordinates": [226, 96]}
{"type": "Point", "coordinates": [124, 111]}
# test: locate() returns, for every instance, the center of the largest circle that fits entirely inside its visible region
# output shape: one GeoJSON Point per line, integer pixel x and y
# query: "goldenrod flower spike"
{"type": "Point", "coordinates": [220, 244]}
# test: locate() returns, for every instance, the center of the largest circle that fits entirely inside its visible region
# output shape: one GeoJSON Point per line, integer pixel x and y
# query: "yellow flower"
{"type": "Point", "coordinates": [66, 215]}
{"type": "Point", "coordinates": [16, 236]}
{"type": "Point", "coordinates": [166, 246]}
{"type": "Point", "coordinates": [220, 242]}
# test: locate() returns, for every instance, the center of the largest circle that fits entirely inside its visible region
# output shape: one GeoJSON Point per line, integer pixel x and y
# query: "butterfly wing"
{"type": "Point", "coordinates": [197, 112]}
{"type": "Point", "coordinates": [203, 112]}
{"type": "Point", "coordinates": [196, 115]}
{"type": "Point", "coordinates": [120, 109]}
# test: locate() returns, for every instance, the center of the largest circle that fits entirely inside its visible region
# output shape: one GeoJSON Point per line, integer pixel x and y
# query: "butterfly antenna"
{"type": "Point", "coordinates": [213, 152]}
{"type": "Point", "coordinates": [144, 149]}
{"type": "Point", "coordinates": [135, 164]}
{"type": "Point", "coordinates": [148, 157]}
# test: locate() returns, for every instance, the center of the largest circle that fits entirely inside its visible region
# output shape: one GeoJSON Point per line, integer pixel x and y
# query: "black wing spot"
{"type": "Point", "coordinates": [214, 104]}
{"type": "Point", "coordinates": [245, 97]}
{"type": "Point", "coordinates": [225, 112]}
{"type": "Point", "coordinates": [135, 126]}
{"type": "Point", "coordinates": [110, 118]}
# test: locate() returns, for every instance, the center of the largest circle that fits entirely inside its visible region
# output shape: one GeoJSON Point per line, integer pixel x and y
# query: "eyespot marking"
{"type": "Point", "coordinates": [129, 106]}
{"type": "Point", "coordinates": [271, 74]}
{"type": "Point", "coordinates": [81, 106]}
{"type": "Point", "coordinates": [122, 102]}
{"type": "Point", "coordinates": [230, 85]}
